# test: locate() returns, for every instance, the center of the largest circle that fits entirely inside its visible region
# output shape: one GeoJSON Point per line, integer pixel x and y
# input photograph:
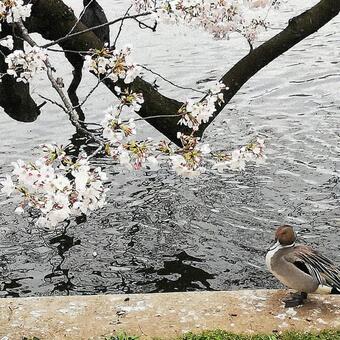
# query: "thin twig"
{"type": "Point", "coordinates": [152, 117]}
{"type": "Point", "coordinates": [94, 27]}
{"type": "Point", "coordinates": [99, 81]}
{"type": "Point", "coordinates": [74, 118]}
{"type": "Point", "coordinates": [68, 51]}
{"type": "Point", "coordinates": [169, 81]}
{"type": "Point", "coordinates": [120, 28]}
{"type": "Point", "coordinates": [143, 25]}
{"type": "Point", "coordinates": [89, 94]}
{"type": "Point", "coordinates": [100, 147]}
{"type": "Point", "coordinates": [80, 17]}
{"type": "Point", "coordinates": [52, 102]}
{"type": "Point", "coordinates": [3, 54]}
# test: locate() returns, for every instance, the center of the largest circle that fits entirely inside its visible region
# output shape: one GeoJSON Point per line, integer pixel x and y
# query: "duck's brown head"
{"type": "Point", "coordinates": [285, 235]}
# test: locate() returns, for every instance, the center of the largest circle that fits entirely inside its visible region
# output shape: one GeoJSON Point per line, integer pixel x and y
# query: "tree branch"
{"type": "Point", "coordinates": [73, 116]}
{"type": "Point", "coordinates": [15, 97]}
{"type": "Point", "coordinates": [53, 20]}
{"type": "Point", "coordinates": [298, 29]}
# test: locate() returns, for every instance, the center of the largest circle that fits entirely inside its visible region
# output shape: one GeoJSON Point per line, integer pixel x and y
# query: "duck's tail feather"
{"type": "Point", "coordinates": [335, 290]}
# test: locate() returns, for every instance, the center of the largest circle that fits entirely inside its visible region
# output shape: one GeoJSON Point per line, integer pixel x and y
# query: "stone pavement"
{"type": "Point", "coordinates": [164, 315]}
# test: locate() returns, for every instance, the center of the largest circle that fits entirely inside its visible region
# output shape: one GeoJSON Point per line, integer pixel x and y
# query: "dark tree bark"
{"type": "Point", "coordinates": [15, 97]}
{"type": "Point", "coordinates": [92, 15]}
{"type": "Point", "coordinates": [53, 20]}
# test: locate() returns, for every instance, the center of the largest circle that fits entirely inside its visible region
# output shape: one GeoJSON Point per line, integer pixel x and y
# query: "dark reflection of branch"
{"type": "Point", "coordinates": [79, 142]}
{"type": "Point", "coordinates": [15, 96]}
{"type": "Point", "coordinates": [77, 62]}
{"type": "Point", "coordinates": [124, 285]}
{"type": "Point", "coordinates": [9, 286]}
{"type": "Point", "coordinates": [64, 243]}
{"type": "Point", "coordinates": [92, 15]}
{"type": "Point", "coordinates": [189, 278]}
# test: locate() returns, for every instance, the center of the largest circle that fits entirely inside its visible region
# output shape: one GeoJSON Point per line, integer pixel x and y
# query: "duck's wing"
{"type": "Point", "coordinates": [315, 264]}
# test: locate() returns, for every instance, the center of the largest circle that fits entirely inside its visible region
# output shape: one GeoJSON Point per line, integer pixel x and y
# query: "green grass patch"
{"type": "Point", "coordinates": [122, 336]}
{"type": "Point", "coordinates": [222, 335]}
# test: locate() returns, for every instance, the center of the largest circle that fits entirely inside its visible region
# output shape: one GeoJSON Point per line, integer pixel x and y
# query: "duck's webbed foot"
{"type": "Point", "coordinates": [295, 300]}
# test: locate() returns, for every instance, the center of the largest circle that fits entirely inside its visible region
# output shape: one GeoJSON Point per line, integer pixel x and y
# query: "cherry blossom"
{"type": "Point", "coordinates": [180, 166]}
{"type": "Point", "coordinates": [24, 65]}
{"type": "Point", "coordinates": [7, 42]}
{"type": "Point", "coordinates": [195, 113]}
{"type": "Point", "coordinates": [114, 64]}
{"type": "Point", "coordinates": [59, 186]}
{"type": "Point", "coordinates": [14, 10]}
{"type": "Point", "coordinates": [252, 152]}
{"type": "Point", "coordinates": [257, 3]}
{"type": "Point", "coordinates": [56, 185]}
{"type": "Point", "coordinates": [220, 18]}
{"type": "Point", "coordinates": [7, 186]}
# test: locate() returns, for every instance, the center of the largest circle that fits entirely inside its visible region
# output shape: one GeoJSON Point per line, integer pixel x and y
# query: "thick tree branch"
{"type": "Point", "coordinates": [53, 20]}
{"type": "Point", "coordinates": [74, 118]}
{"type": "Point", "coordinates": [15, 97]}
{"type": "Point", "coordinates": [298, 29]}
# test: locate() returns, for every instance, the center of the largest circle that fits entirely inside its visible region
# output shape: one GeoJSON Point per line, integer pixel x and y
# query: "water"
{"type": "Point", "coordinates": [160, 232]}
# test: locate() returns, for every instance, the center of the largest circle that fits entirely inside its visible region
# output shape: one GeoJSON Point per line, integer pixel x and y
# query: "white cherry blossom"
{"type": "Point", "coordinates": [12, 11]}
{"type": "Point", "coordinates": [219, 17]}
{"type": "Point", "coordinates": [7, 186]}
{"type": "Point", "coordinates": [114, 64]}
{"type": "Point", "coordinates": [57, 186]}
{"type": "Point", "coordinates": [7, 42]}
{"type": "Point", "coordinates": [24, 65]}
{"type": "Point", "coordinates": [194, 113]}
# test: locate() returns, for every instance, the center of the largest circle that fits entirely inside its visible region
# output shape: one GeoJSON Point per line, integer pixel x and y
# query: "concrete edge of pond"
{"type": "Point", "coordinates": [163, 315]}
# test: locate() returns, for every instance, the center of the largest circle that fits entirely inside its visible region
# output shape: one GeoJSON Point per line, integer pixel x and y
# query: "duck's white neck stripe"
{"type": "Point", "coordinates": [276, 246]}
{"type": "Point", "coordinates": [273, 250]}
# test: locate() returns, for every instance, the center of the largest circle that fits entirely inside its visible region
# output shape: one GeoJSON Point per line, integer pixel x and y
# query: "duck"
{"type": "Point", "coordinates": [301, 268]}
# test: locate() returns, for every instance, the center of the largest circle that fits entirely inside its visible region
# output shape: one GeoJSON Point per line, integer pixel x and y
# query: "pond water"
{"type": "Point", "coordinates": [160, 232]}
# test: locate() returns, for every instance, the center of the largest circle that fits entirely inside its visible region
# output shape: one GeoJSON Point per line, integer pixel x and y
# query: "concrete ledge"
{"type": "Point", "coordinates": [163, 315]}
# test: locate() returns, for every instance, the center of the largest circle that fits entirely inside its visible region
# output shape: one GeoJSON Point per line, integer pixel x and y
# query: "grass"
{"type": "Point", "coordinates": [222, 335]}
{"type": "Point", "coordinates": [122, 336]}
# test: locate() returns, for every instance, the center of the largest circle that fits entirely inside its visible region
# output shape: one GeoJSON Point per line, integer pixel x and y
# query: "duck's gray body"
{"type": "Point", "coordinates": [303, 269]}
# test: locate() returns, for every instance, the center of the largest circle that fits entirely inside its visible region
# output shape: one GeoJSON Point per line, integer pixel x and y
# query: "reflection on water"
{"type": "Point", "coordinates": [177, 276]}
{"type": "Point", "coordinates": [60, 275]}
{"type": "Point", "coordinates": [162, 233]}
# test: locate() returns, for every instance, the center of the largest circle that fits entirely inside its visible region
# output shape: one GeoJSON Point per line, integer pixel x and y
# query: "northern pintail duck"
{"type": "Point", "coordinates": [301, 268]}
